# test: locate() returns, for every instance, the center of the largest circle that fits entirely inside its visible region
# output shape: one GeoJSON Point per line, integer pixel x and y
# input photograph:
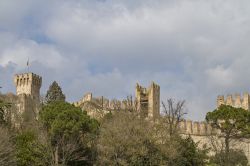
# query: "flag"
{"type": "Point", "coordinates": [28, 62]}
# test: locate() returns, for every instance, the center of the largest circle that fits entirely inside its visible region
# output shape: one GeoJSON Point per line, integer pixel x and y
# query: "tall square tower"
{"type": "Point", "coordinates": [28, 84]}
{"type": "Point", "coordinates": [148, 100]}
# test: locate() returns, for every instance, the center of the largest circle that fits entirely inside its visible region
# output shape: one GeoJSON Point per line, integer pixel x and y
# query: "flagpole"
{"type": "Point", "coordinates": [28, 65]}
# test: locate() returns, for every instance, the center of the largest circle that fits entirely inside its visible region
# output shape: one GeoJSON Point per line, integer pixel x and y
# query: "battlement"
{"type": "Point", "coordinates": [189, 127]}
{"type": "Point", "coordinates": [103, 102]}
{"type": "Point", "coordinates": [235, 101]}
{"type": "Point", "coordinates": [147, 100]}
{"type": "Point", "coordinates": [87, 97]}
{"type": "Point", "coordinates": [154, 86]}
{"type": "Point", "coordinates": [29, 84]}
{"type": "Point", "coordinates": [26, 78]}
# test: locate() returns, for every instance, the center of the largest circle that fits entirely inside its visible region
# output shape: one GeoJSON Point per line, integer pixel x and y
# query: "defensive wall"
{"type": "Point", "coordinates": [148, 99]}
{"type": "Point", "coordinates": [236, 100]}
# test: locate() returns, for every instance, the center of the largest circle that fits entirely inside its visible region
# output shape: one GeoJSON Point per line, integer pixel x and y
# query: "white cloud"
{"type": "Point", "coordinates": [194, 49]}
{"type": "Point", "coordinates": [220, 76]}
{"type": "Point", "coordinates": [22, 50]}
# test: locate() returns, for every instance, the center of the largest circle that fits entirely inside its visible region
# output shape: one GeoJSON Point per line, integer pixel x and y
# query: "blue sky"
{"type": "Point", "coordinates": [195, 50]}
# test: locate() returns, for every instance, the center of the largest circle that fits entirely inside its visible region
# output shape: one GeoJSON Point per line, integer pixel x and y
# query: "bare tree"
{"type": "Point", "coordinates": [174, 113]}
{"type": "Point", "coordinates": [70, 150]}
{"type": "Point", "coordinates": [127, 139]}
{"type": "Point", "coordinates": [129, 104]}
{"type": "Point", "coordinates": [7, 154]}
{"type": "Point", "coordinates": [116, 105]}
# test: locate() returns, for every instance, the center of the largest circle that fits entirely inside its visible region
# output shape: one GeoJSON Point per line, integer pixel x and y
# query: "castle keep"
{"type": "Point", "coordinates": [27, 99]}
{"type": "Point", "coordinates": [28, 84]}
{"type": "Point", "coordinates": [28, 92]}
{"type": "Point", "coordinates": [235, 101]}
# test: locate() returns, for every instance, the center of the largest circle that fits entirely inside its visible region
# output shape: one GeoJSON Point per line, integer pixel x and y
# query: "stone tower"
{"type": "Point", "coordinates": [148, 100]}
{"type": "Point", "coordinates": [28, 93]}
{"type": "Point", "coordinates": [220, 101]}
{"type": "Point", "coordinates": [246, 101]}
{"type": "Point", "coordinates": [28, 84]}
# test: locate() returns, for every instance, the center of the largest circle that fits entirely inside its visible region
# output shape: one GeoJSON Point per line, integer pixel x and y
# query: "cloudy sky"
{"type": "Point", "coordinates": [195, 49]}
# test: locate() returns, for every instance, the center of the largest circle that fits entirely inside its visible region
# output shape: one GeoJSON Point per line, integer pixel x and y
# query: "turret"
{"type": "Point", "coordinates": [237, 102]}
{"type": "Point", "coordinates": [220, 101]}
{"type": "Point", "coordinates": [246, 101]}
{"type": "Point", "coordinates": [230, 100]}
{"type": "Point", "coordinates": [154, 100]}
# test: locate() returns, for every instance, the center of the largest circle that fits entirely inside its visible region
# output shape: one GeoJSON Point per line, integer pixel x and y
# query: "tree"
{"type": "Point", "coordinates": [236, 157]}
{"type": "Point", "coordinates": [69, 130]}
{"type": "Point", "coordinates": [126, 139]}
{"type": "Point", "coordinates": [130, 104]}
{"type": "Point", "coordinates": [4, 113]}
{"type": "Point", "coordinates": [54, 93]}
{"type": "Point", "coordinates": [174, 113]}
{"type": "Point", "coordinates": [29, 151]}
{"type": "Point", "coordinates": [7, 149]}
{"type": "Point", "coordinates": [233, 123]}
{"type": "Point", "coordinates": [189, 153]}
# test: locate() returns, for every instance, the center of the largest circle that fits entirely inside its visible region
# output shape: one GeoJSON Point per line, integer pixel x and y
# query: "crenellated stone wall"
{"type": "Point", "coordinates": [202, 133]}
{"type": "Point", "coordinates": [27, 101]}
{"type": "Point", "coordinates": [105, 103]}
{"type": "Point", "coordinates": [147, 101]}
{"type": "Point", "coordinates": [236, 100]}
{"type": "Point", "coordinates": [195, 128]}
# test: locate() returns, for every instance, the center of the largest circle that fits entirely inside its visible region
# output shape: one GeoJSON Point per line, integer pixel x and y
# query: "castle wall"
{"type": "Point", "coordinates": [87, 97]}
{"type": "Point", "coordinates": [23, 109]}
{"type": "Point", "coordinates": [147, 101]}
{"type": "Point", "coordinates": [12, 111]}
{"type": "Point", "coordinates": [206, 141]}
{"type": "Point", "coordinates": [202, 133]}
{"type": "Point", "coordinates": [235, 101]}
{"type": "Point", "coordinates": [195, 128]}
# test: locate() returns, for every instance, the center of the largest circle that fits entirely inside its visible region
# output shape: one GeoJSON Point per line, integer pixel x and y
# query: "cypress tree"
{"type": "Point", "coordinates": [54, 93]}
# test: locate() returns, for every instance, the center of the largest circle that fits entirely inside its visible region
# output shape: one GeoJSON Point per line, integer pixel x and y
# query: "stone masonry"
{"type": "Point", "coordinates": [235, 101]}
{"type": "Point", "coordinates": [148, 100]}
{"type": "Point", "coordinates": [28, 94]}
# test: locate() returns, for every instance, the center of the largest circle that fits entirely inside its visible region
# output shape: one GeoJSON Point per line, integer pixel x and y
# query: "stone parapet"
{"type": "Point", "coordinates": [236, 100]}
{"type": "Point", "coordinates": [189, 127]}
